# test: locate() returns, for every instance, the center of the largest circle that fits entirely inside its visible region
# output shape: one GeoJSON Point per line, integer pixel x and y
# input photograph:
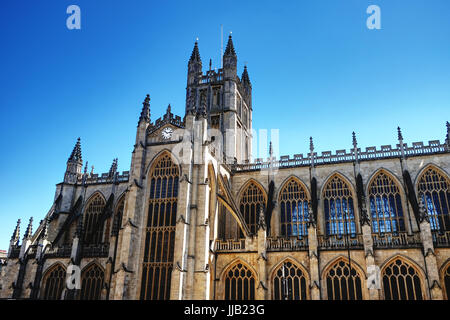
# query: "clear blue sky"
{"type": "Point", "coordinates": [316, 71]}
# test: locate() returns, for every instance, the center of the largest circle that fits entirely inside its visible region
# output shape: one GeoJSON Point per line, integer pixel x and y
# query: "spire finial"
{"type": "Point", "coordinates": [355, 143]}
{"type": "Point", "coordinates": [86, 167]}
{"type": "Point", "coordinates": [29, 231]}
{"type": "Point", "coordinates": [113, 168]}
{"type": "Point", "coordinates": [229, 50]}
{"type": "Point", "coordinates": [145, 113]}
{"type": "Point", "coordinates": [311, 145]}
{"type": "Point", "coordinates": [75, 156]}
{"type": "Point", "coordinates": [270, 149]}
{"type": "Point", "coordinates": [45, 228]}
{"type": "Point", "coordinates": [400, 136]}
{"type": "Point", "coordinates": [169, 109]}
{"type": "Point", "coordinates": [448, 133]}
{"type": "Point", "coordinates": [245, 78]}
{"type": "Point", "coordinates": [16, 234]}
{"type": "Point", "coordinates": [195, 56]}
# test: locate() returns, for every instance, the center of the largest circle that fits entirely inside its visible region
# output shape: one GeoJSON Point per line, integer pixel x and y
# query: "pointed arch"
{"type": "Point", "coordinates": [339, 206]}
{"type": "Point", "coordinates": [159, 230]}
{"type": "Point", "coordinates": [402, 279]}
{"type": "Point", "coordinates": [53, 282]}
{"type": "Point", "coordinates": [118, 215]}
{"type": "Point", "coordinates": [92, 280]}
{"type": "Point", "coordinates": [92, 215]}
{"type": "Point", "coordinates": [239, 281]}
{"type": "Point", "coordinates": [343, 281]}
{"type": "Point", "coordinates": [252, 198]}
{"type": "Point", "coordinates": [289, 280]}
{"type": "Point", "coordinates": [293, 199]}
{"type": "Point", "coordinates": [385, 195]}
{"type": "Point", "coordinates": [445, 275]}
{"type": "Point", "coordinates": [156, 158]}
{"type": "Point", "coordinates": [433, 187]}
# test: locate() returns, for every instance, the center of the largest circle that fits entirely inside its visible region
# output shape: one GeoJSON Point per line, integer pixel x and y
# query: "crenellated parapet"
{"type": "Point", "coordinates": [340, 156]}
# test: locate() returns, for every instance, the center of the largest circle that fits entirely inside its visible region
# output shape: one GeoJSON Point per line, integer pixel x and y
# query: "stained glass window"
{"type": "Point", "coordinates": [293, 209]}
{"type": "Point", "coordinates": [289, 283]}
{"type": "Point", "coordinates": [401, 282]}
{"type": "Point", "coordinates": [239, 283]}
{"type": "Point", "coordinates": [343, 284]}
{"type": "Point", "coordinates": [252, 199]}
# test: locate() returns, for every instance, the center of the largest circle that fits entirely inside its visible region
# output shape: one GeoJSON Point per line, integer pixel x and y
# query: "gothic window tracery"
{"type": "Point", "coordinates": [435, 193]}
{"type": "Point", "coordinates": [289, 282]}
{"type": "Point", "coordinates": [160, 230]}
{"type": "Point", "coordinates": [92, 282]}
{"type": "Point", "coordinates": [293, 209]}
{"type": "Point", "coordinates": [93, 232]}
{"type": "Point", "coordinates": [239, 283]}
{"type": "Point", "coordinates": [54, 283]}
{"type": "Point", "coordinates": [338, 208]}
{"type": "Point", "coordinates": [401, 281]}
{"type": "Point", "coordinates": [385, 205]}
{"type": "Point", "coordinates": [252, 199]}
{"type": "Point", "coordinates": [343, 284]}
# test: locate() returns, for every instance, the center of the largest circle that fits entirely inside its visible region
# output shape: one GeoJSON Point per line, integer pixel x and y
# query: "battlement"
{"type": "Point", "coordinates": [95, 178]}
{"type": "Point", "coordinates": [327, 157]}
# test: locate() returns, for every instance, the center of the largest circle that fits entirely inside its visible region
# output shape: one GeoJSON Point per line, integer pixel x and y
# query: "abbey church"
{"type": "Point", "coordinates": [196, 217]}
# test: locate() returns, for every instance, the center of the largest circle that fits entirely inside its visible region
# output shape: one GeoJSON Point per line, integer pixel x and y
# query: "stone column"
{"type": "Point", "coordinates": [261, 291]}
{"type": "Point", "coordinates": [313, 253]}
{"type": "Point", "coordinates": [430, 257]}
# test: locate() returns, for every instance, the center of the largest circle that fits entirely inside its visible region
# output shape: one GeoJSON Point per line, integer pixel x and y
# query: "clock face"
{"type": "Point", "coordinates": [167, 133]}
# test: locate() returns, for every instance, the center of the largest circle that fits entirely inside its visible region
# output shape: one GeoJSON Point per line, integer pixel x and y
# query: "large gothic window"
{"type": "Point", "coordinates": [252, 199]}
{"type": "Point", "coordinates": [93, 232]}
{"type": "Point", "coordinates": [385, 205]}
{"type": "Point", "coordinates": [435, 192]}
{"type": "Point", "coordinates": [160, 230]}
{"type": "Point", "coordinates": [401, 282]}
{"type": "Point", "coordinates": [294, 209]}
{"type": "Point", "coordinates": [54, 283]}
{"type": "Point", "coordinates": [239, 283]}
{"type": "Point", "coordinates": [338, 207]}
{"type": "Point", "coordinates": [343, 284]}
{"type": "Point", "coordinates": [289, 283]}
{"type": "Point", "coordinates": [92, 282]}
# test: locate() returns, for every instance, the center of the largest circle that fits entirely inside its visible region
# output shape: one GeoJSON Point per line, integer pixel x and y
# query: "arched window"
{"type": "Point", "coordinates": [343, 284]}
{"type": "Point", "coordinates": [160, 230]}
{"type": "Point", "coordinates": [239, 283]}
{"type": "Point", "coordinates": [252, 199]}
{"type": "Point", "coordinates": [54, 283]}
{"type": "Point", "coordinates": [294, 209]}
{"type": "Point", "coordinates": [92, 282]}
{"type": "Point", "coordinates": [447, 281]}
{"type": "Point", "coordinates": [93, 231]}
{"type": "Point", "coordinates": [338, 207]}
{"type": "Point", "coordinates": [401, 282]}
{"type": "Point", "coordinates": [435, 192]}
{"type": "Point", "coordinates": [289, 283]}
{"type": "Point", "coordinates": [385, 205]}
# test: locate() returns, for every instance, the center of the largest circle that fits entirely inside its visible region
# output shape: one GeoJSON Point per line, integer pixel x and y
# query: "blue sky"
{"type": "Point", "coordinates": [316, 71]}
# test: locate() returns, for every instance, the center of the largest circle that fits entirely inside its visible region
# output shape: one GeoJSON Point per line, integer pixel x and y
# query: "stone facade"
{"type": "Point", "coordinates": [194, 219]}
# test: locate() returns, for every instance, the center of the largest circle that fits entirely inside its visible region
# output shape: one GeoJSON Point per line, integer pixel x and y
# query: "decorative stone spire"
{"type": "Point", "coordinates": [355, 143]}
{"type": "Point", "coordinates": [400, 136]}
{"type": "Point", "coordinates": [145, 113]}
{"type": "Point", "coordinates": [195, 56]}
{"type": "Point", "coordinates": [29, 231]}
{"type": "Point", "coordinates": [311, 145]}
{"type": "Point", "coordinates": [16, 234]}
{"type": "Point", "coordinates": [113, 168]}
{"type": "Point", "coordinates": [270, 150]}
{"type": "Point", "coordinates": [169, 109]}
{"type": "Point", "coordinates": [229, 50]}
{"type": "Point", "coordinates": [245, 79]}
{"type": "Point", "coordinates": [45, 228]}
{"type": "Point", "coordinates": [75, 156]}
{"type": "Point", "coordinates": [86, 167]}
{"type": "Point", "coordinates": [447, 140]}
